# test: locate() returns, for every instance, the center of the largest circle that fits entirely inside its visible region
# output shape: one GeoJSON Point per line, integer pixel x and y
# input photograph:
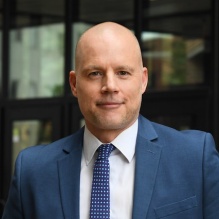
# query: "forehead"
{"type": "Point", "coordinates": [108, 46]}
{"type": "Point", "coordinates": [100, 55]}
{"type": "Point", "coordinates": [111, 35]}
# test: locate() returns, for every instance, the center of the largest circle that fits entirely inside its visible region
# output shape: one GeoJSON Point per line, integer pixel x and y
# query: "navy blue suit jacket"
{"type": "Point", "coordinates": [176, 177]}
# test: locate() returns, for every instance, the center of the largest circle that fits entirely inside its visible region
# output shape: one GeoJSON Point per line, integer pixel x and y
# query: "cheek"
{"type": "Point", "coordinates": [135, 90]}
{"type": "Point", "coordinates": [84, 105]}
{"type": "Point", "coordinates": [86, 99]}
{"type": "Point", "coordinates": [135, 97]}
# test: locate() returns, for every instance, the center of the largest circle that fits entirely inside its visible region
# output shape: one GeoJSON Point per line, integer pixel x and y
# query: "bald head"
{"type": "Point", "coordinates": [107, 34]}
{"type": "Point", "coordinates": [109, 79]}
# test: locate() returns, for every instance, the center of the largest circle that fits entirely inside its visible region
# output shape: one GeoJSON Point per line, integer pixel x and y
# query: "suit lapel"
{"type": "Point", "coordinates": [147, 163]}
{"type": "Point", "coordinates": [69, 176]}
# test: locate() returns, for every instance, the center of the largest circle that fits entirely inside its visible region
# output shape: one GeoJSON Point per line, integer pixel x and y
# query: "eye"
{"type": "Point", "coordinates": [95, 74]}
{"type": "Point", "coordinates": [123, 73]}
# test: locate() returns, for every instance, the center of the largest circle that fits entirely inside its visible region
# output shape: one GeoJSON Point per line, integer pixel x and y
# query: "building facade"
{"type": "Point", "coordinates": [179, 42]}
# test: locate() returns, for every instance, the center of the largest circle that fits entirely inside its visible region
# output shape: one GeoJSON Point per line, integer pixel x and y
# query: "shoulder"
{"type": "Point", "coordinates": [191, 145]}
{"type": "Point", "coordinates": [174, 133]}
{"type": "Point", "coordinates": [167, 136]}
{"type": "Point", "coordinates": [187, 146]}
{"type": "Point", "coordinates": [56, 149]}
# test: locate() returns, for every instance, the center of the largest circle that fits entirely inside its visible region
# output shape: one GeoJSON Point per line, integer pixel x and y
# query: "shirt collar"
{"type": "Point", "coordinates": [125, 143]}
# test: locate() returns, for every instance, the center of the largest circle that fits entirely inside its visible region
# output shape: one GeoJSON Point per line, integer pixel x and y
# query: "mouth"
{"type": "Point", "coordinates": [109, 105]}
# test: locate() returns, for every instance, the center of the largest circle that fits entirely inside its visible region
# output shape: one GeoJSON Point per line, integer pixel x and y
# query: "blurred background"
{"type": "Point", "coordinates": [179, 42]}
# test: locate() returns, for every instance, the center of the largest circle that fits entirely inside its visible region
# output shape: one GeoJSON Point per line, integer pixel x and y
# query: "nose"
{"type": "Point", "coordinates": [109, 83]}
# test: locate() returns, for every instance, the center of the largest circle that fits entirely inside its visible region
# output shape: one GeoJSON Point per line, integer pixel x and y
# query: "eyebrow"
{"type": "Point", "coordinates": [91, 67]}
{"type": "Point", "coordinates": [118, 68]}
{"type": "Point", "coordinates": [125, 67]}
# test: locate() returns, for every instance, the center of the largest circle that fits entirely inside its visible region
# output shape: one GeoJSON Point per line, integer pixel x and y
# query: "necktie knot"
{"type": "Point", "coordinates": [104, 151]}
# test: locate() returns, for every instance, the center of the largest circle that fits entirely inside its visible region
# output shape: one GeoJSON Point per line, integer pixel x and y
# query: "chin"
{"type": "Point", "coordinates": [113, 125]}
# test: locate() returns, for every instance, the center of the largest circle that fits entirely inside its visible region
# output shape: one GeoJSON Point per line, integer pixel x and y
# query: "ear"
{"type": "Point", "coordinates": [72, 81]}
{"type": "Point", "coordinates": [144, 79]}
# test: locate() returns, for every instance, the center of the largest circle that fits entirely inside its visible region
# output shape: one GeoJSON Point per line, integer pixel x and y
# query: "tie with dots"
{"type": "Point", "coordinates": [100, 194]}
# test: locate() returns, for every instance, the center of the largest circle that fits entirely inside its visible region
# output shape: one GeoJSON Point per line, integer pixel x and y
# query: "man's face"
{"type": "Point", "coordinates": [109, 82]}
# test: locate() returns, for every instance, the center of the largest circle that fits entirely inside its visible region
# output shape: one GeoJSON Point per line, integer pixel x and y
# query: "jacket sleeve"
{"type": "Point", "coordinates": [13, 207]}
{"type": "Point", "coordinates": [211, 179]}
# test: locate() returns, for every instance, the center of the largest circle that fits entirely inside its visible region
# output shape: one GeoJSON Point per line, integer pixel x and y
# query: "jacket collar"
{"type": "Point", "coordinates": [69, 174]}
{"type": "Point", "coordinates": [146, 129]}
{"type": "Point", "coordinates": [147, 162]}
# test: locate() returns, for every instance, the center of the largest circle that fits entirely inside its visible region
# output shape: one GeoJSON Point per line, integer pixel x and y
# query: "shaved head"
{"type": "Point", "coordinates": [108, 33]}
{"type": "Point", "coordinates": [109, 79]}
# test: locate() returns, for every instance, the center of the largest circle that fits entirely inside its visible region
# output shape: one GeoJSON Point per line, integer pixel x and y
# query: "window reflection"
{"type": "Point", "coordinates": [173, 60]}
{"type": "Point", "coordinates": [28, 133]}
{"type": "Point", "coordinates": [78, 28]}
{"type": "Point", "coordinates": [37, 61]}
{"type": "Point", "coordinates": [97, 11]}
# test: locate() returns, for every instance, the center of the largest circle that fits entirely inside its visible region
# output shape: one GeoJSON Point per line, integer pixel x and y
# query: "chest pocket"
{"type": "Point", "coordinates": [176, 207]}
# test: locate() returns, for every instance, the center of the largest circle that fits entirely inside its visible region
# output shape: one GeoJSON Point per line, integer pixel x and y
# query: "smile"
{"type": "Point", "coordinates": [109, 105]}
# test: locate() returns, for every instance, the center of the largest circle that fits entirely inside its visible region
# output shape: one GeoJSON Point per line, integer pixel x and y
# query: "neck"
{"type": "Point", "coordinates": [106, 136]}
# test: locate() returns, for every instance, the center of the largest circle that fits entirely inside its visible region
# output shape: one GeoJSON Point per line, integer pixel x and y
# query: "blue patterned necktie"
{"type": "Point", "coordinates": [100, 194]}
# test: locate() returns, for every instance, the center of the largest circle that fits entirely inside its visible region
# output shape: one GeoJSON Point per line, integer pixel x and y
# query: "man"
{"type": "Point", "coordinates": [155, 171]}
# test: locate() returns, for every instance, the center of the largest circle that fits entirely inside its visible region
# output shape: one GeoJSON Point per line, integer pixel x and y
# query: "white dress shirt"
{"type": "Point", "coordinates": [122, 169]}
